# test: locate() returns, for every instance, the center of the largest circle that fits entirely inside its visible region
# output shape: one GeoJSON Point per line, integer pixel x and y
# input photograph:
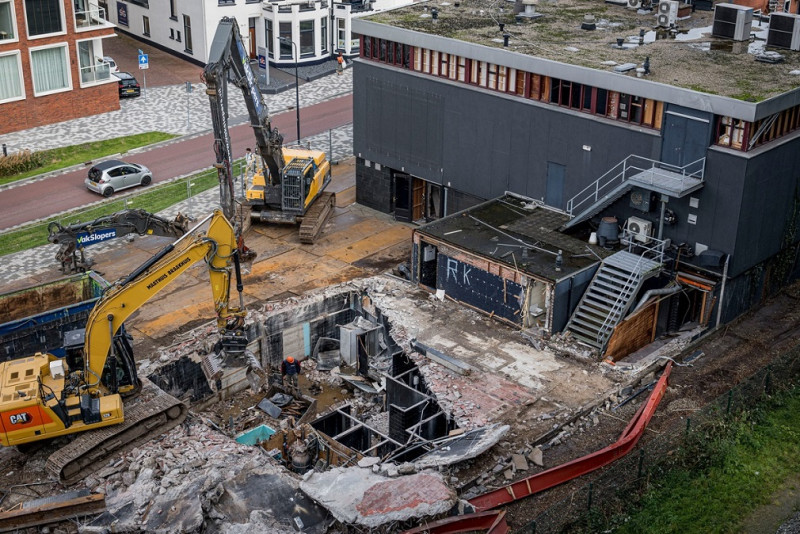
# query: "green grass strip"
{"type": "Point", "coordinates": [60, 158]}
{"type": "Point", "coordinates": [728, 472]}
{"type": "Point", "coordinates": [152, 199]}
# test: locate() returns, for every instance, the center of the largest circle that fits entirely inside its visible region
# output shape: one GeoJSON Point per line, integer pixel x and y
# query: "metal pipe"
{"type": "Point", "coordinates": [722, 290]}
{"type": "Point", "coordinates": [663, 291]}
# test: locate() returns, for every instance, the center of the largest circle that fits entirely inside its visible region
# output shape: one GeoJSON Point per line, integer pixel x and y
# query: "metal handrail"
{"type": "Point", "coordinates": [95, 16]}
{"type": "Point", "coordinates": [604, 332]}
{"type": "Point", "coordinates": [630, 166]}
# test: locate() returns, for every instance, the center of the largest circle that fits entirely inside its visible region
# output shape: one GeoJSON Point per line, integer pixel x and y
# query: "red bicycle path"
{"type": "Point", "coordinates": [43, 198]}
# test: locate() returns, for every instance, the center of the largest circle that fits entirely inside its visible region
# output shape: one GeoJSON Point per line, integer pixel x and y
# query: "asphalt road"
{"type": "Point", "coordinates": [43, 198]}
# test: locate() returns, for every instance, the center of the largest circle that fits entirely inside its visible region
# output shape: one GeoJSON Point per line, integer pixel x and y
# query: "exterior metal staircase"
{"type": "Point", "coordinates": [610, 295]}
{"type": "Point", "coordinates": [633, 171]}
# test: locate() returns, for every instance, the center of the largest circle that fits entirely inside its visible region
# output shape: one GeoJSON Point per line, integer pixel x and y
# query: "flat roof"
{"type": "Point", "coordinates": [519, 233]}
{"type": "Point", "coordinates": [690, 57]}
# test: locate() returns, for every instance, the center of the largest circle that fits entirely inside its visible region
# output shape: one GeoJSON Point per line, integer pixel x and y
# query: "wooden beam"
{"type": "Point", "coordinates": [52, 512]}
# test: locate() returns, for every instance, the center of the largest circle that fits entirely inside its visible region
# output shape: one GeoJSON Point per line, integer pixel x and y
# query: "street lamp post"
{"type": "Point", "coordinates": [286, 40]}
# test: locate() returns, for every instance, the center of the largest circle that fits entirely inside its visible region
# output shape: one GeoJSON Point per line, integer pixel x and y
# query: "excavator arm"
{"type": "Point", "coordinates": [80, 235]}
{"type": "Point", "coordinates": [228, 60]}
{"type": "Point", "coordinates": [218, 247]}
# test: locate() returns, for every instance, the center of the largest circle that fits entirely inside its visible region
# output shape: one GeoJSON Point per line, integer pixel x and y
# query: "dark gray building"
{"type": "Point", "coordinates": [684, 150]}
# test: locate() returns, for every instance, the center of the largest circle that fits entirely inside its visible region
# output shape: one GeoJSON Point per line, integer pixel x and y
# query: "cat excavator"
{"type": "Point", "coordinates": [289, 186]}
{"type": "Point", "coordinates": [44, 397]}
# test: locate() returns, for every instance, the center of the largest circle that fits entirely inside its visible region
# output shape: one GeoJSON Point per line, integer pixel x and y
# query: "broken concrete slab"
{"type": "Point", "coordinates": [519, 461]}
{"type": "Point", "coordinates": [536, 456]}
{"type": "Point", "coordinates": [269, 408]}
{"type": "Point", "coordinates": [372, 500]}
{"type": "Point", "coordinates": [194, 479]}
{"type": "Point", "coordinates": [464, 447]}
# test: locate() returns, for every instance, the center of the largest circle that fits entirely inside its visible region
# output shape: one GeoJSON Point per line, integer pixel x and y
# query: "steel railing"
{"type": "Point", "coordinates": [646, 170]}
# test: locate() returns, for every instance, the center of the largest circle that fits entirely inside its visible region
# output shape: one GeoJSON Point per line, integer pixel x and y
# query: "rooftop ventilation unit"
{"type": "Point", "coordinates": [732, 22]}
{"type": "Point", "coordinates": [667, 13]}
{"type": "Point", "coordinates": [634, 4]}
{"type": "Point", "coordinates": [639, 228]}
{"type": "Point", "coordinates": [784, 31]}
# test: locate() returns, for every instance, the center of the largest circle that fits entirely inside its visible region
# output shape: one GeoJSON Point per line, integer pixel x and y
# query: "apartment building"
{"type": "Point", "coordinates": [51, 66]}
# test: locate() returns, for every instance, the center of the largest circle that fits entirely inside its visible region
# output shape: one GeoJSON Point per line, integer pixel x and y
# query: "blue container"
{"type": "Point", "coordinates": [255, 435]}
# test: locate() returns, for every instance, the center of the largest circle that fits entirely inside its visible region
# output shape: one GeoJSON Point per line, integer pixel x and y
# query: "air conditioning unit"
{"type": "Point", "coordinates": [639, 228]}
{"type": "Point", "coordinates": [667, 13]}
{"type": "Point", "coordinates": [784, 31]}
{"type": "Point", "coordinates": [732, 21]}
{"type": "Point", "coordinates": [634, 4]}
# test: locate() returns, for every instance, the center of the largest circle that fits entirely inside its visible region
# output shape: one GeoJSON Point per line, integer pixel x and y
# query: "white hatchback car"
{"type": "Point", "coordinates": [114, 175]}
{"type": "Point", "coordinates": [112, 65]}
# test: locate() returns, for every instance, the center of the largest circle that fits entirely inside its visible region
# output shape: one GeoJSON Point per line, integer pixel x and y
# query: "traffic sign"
{"type": "Point", "coordinates": [144, 62]}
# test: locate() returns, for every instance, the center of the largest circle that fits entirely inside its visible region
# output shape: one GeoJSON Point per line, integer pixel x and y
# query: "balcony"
{"type": "Point", "coordinates": [91, 19]}
{"type": "Point", "coordinates": [99, 72]}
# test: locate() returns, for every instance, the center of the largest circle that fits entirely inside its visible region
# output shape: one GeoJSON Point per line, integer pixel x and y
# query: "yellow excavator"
{"type": "Point", "coordinates": [44, 397]}
{"type": "Point", "coordinates": [289, 186]}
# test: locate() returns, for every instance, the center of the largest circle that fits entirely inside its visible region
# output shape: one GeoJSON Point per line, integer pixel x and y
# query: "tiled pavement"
{"type": "Point", "coordinates": [164, 109]}
{"type": "Point", "coordinates": [170, 109]}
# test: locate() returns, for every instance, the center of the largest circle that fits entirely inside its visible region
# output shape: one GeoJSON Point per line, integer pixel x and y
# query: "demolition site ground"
{"type": "Point", "coordinates": [534, 406]}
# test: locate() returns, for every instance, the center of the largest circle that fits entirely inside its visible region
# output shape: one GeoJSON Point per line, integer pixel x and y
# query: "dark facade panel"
{"type": "Point", "coordinates": [770, 215]}
{"type": "Point", "coordinates": [480, 142]}
{"type": "Point", "coordinates": [480, 289]}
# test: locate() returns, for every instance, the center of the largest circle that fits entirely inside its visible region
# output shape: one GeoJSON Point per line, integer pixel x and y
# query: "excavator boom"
{"type": "Point", "coordinates": [43, 397]}
{"type": "Point", "coordinates": [228, 60]}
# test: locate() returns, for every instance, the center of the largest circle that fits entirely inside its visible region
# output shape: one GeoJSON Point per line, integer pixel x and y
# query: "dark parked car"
{"type": "Point", "coordinates": [115, 175]}
{"type": "Point", "coordinates": [128, 86]}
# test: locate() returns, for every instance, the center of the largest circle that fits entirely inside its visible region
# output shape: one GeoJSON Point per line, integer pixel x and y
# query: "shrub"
{"type": "Point", "coordinates": [19, 162]}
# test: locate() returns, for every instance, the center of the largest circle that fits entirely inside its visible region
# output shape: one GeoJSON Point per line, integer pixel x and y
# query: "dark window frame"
{"type": "Point", "coordinates": [41, 17]}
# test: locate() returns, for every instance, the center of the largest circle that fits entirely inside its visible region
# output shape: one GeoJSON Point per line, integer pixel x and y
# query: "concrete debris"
{"type": "Point", "coordinates": [372, 500]}
{"type": "Point", "coordinates": [519, 461]}
{"type": "Point", "coordinates": [536, 456]}
{"type": "Point", "coordinates": [463, 447]}
{"type": "Point", "coordinates": [194, 479]}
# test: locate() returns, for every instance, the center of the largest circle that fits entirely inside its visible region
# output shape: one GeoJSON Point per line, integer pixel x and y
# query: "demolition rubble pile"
{"type": "Point", "coordinates": [194, 479]}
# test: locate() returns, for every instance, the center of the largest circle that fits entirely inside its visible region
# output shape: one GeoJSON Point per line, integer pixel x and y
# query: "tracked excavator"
{"type": "Point", "coordinates": [44, 397]}
{"type": "Point", "coordinates": [76, 237]}
{"type": "Point", "coordinates": [289, 186]}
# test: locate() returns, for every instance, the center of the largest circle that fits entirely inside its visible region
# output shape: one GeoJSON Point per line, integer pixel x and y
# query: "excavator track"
{"type": "Point", "coordinates": [150, 413]}
{"type": "Point", "coordinates": [315, 218]}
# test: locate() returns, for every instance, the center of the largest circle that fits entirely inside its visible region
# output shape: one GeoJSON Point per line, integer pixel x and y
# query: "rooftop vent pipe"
{"type": "Point", "coordinates": [434, 13]}
{"type": "Point", "coordinates": [505, 39]}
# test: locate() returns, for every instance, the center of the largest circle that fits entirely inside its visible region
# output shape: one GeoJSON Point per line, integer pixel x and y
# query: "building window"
{"type": "Point", "coordinates": [173, 10]}
{"type": "Point", "coordinates": [730, 132]}
{"type": "Point", "coordinates": [49, 67]}
{"type": "Point", "coordinates": [226, 3]}
{"type": "Point", "coordinates": [285, 34]}
{"type": "Point", "coordinates": [187, 32]}
{"type": "Point", "coordinates": [8, 26]}
{"type": "Point", "coordinates": [44, 17]}
{"type": "Point", "coordinates": [91, 69]}
{"type": "Point", "coordinates": [307, 48]}
{"type": "Point", "coordinates": [178, 35]}
{"type": "Point", "coordinates": [146, 26]}
{"type": "Point", "coordinates": [142, 3]}
{"type": "Point", "coordinates": [270, 40]}
{"type": "Point", "coordinates": [341, 25]}
{"type": "Point", "coordinates": [11, 87]}
{"type": "Point", "coordinates": [323, 33]}
{"type": "Point", "coordinates": [172, 33]}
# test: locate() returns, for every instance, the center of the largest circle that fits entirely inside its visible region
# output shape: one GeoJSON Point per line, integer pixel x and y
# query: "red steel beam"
{"type": "Point", "coordinates": [565, 472]}
{"type": "Point", "coordinates": [493, 522]}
